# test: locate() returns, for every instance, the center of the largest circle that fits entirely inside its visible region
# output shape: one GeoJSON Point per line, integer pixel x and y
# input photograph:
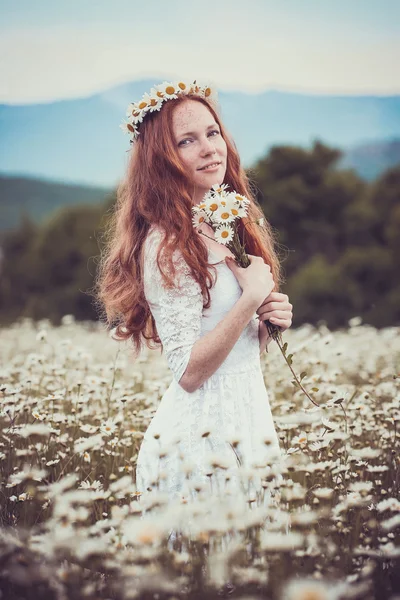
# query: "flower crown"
{"type": "Point", "coordinates": [159, 94]}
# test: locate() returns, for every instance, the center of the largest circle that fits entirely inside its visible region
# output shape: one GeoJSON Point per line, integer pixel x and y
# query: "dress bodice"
{"type": "Point", "coordinates": [179, 314]}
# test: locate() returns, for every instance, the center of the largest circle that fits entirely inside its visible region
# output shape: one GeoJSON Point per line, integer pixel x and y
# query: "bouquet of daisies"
{"type": "Point", "coordinates": [222, 210]}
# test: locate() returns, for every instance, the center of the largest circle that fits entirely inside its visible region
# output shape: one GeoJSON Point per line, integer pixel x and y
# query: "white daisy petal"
{"type": "Point", "coordinates": [224, 234]}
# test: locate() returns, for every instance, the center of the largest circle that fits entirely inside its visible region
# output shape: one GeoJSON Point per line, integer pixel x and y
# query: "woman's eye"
{"type": "Point", "coordinates": [182, 142]}
{"type": "Point", "coordinates": [215, 131]}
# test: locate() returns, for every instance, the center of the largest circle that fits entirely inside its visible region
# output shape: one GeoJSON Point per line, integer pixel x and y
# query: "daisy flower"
{"type": "Point", "coordinates": [182, 87]}
{"type": "Point", "coordinates": [130, 109]}
{"type": "Point", "coordinates": [199, 218]}
{"type": "Point", "coordinates": [219, 189]}
{"type": "Point", "coordinates": [128, 127]}
{"type": "Point", "coordinates": [198, 207]}
{"type": "Point", "coordinates": [224, 234]}
{"type": "Point", "coordinates": [139, 112]}
{"type": "Point", "coordinates": [212, 205]}
{"type": "Point", "coordinates": [108, 427]}
{"type": "Point", "coordinates": [241, 200]}
{"type": "Point", "coordinates": [300, 440]}
{"type": "Point", "coordinates": [223, 215]}
{"type": "Point", "coordinates": [155, 103]}
{"type": "Point", "coordinates": [167, 89]}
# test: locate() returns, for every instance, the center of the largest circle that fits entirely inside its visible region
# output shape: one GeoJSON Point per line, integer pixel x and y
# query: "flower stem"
{"type": "Point", "coordinates": [276, 335]}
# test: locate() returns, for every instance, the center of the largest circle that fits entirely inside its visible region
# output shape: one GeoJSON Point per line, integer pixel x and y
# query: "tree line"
{"type": "Point", "coordinates": [338, 237]}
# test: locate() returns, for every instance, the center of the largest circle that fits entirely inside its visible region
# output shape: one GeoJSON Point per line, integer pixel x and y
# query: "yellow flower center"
{"type": "Point", "coordinates": [225, 234]}
{"type": "Point", "coordinates": [201, 219]}
{"type": "Point", "coordinates": [153, 102]}
{"type": "Point", "coordinates": [170, 89]}
{"type": "Point", "coordinates": [234, 211]}
{"type": "Point", "coordinates": [182, 86]}
{"type": "Point", "coordinates": [207, 92]}
{"type": "Point", "coordinates": [142, 105]}
{"type": "Point", "coordinates": [302, 440]}
{"type": "Point", "coordinates": [160, 94]}
{"type": "Point", "coordinates": [130, 127]}
{"type": "Point", "coordinates": [147, 537]}
{"type": "Point", "coordinates": [213, 207]}
{"type": "Point", "coordinates": [225, 215]}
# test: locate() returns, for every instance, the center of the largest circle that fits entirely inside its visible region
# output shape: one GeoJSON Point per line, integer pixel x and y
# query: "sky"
{"type": "Point", "coordinates": [56, 50]}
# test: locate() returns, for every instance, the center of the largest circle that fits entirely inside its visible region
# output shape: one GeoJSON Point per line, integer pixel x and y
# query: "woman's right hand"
{"type": "Point", "coordinates": [255, 280]}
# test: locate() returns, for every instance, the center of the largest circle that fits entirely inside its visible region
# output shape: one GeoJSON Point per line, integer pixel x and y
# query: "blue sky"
{"type": "Point", "coordinates": [53, 50]}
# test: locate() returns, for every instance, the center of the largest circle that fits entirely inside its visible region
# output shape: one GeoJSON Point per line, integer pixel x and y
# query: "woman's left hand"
{"type": "Point", "coordinates": [277, 309]}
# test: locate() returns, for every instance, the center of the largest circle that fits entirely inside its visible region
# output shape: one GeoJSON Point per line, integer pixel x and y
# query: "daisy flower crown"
{"type": "Point", "coordinates": [159, 94]}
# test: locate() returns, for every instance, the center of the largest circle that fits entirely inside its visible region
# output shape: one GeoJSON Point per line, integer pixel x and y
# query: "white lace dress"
{"type": "Point", "coordinates": [191, 431]}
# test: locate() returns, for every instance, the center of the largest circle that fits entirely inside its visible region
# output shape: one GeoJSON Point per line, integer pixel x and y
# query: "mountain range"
{"type": "Point", "coordinates": [79, 141]}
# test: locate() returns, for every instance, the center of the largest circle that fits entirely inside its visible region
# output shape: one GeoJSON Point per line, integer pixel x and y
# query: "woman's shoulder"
{"type": "Point", "coordinates": [153, 239]}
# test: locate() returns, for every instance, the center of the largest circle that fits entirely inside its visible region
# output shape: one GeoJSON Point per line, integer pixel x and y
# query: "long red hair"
{"type": "Point", "coordinates": [157, 191]}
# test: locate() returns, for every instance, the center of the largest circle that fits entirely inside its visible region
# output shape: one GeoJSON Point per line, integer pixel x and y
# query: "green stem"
{"type": "Point", "coordinates": [276, 335]}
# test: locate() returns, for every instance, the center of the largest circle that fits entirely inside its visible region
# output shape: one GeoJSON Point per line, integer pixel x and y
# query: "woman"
{"type": "Point", "coordinates": [173, 285]}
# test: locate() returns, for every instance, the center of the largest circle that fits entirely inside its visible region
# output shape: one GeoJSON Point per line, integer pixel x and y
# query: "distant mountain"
{"type": "Point", "coordinates": [80, 140]}
{"type": "Point", "coordinates": [370, 160]}
{"type": "Point", "coordinates": [38, 198]}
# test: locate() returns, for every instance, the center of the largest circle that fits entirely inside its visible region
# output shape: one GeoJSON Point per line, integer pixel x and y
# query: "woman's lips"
{"type": "Point", "coordinates": [211, 168]}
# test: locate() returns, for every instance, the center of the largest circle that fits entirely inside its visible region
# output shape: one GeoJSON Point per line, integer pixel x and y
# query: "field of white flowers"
{"type": "Point", "coordinates": [325, 525]}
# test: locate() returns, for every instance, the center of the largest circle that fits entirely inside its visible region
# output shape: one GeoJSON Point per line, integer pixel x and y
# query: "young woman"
{"type": "Point", "coordinates": [169, 284]}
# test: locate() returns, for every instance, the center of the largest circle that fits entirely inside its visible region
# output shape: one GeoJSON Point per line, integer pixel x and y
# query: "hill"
{"type": "Point", "coordinates": [80, 140]}
{"type": "Point", "coordinates": [38, 198]}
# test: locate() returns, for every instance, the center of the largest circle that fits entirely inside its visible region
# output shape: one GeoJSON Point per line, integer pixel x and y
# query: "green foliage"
{"type": "Point", "coordinates": [52, 267]}
{"type": "Point", "coordinates": [341, 235]}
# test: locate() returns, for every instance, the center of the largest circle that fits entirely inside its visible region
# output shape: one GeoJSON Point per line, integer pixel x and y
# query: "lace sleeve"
{"type": "Point", "coordinates": [177, 311]}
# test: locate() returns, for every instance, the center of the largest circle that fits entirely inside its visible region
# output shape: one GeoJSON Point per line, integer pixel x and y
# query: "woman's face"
{"type": "Point", "coordinates": [200, 146]}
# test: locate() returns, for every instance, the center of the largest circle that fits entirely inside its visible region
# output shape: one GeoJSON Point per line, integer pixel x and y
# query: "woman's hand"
{"type": "Point", "coordinates": [255, 280]}
{"type": "Point", "coordinates": [277, 309]}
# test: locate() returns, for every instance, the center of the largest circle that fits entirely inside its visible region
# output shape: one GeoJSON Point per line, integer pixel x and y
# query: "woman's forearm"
{"type": "Point", "coordinates": [210, 351]}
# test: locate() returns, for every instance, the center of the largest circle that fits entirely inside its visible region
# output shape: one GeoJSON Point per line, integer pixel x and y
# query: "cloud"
{"type": "Point", "coordinates": [44, 64]}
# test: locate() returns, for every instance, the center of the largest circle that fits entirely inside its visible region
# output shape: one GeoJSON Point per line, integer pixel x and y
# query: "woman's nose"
{"type": "Point", "coordinates": [207, 146]}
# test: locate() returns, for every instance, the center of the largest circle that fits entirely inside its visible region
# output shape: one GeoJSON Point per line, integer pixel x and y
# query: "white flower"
{"type": "Point", "coordinates": [35, 429]}
{"type": "Point", "coordinates": [128, 127]}
{"type": "Point", "coordinates": [323, 493]}
{"type": "Point", "coordinates": [388, 504]}
{"type": "Point", "coordinates": [304, 589]}
{"type": "Point", "coordinates": [220, 189]}
{"type": "Point", "coordinates": [155, 103]}
{"type": "Point", "coordinates": [300, 440]}
{"type": "Point", "coordinates": [223, 215]}
{"type": "Point", "coordinates": [240, 199]}
{"type": "Point", "coordinates": [167, 90]}
{"type": "Point", "coordinates": [83, 444]}
{"type": "Point", "coordinates": [212, 205]}
{"type": "Point", "coordinates": [108, 427]}
{"type": "Point", "coordinates": [279, 542]}
{"type": "Point", "coordinates": [199, 218]}
{"type": "Point", "coordinates": [130, 109]}
{"type": "Point", "coordinates": [355, 321]}
{"type": "Point", "coordinates": [140, 110]}
{"type": "Point", "coordinates": [144, 532]}
{"type": "Point", "coordinates": [224, 234]}
{"type": "Point", "coordinates": [360, 487]}
{"type": "Point", "coordinates": [328, 424]}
